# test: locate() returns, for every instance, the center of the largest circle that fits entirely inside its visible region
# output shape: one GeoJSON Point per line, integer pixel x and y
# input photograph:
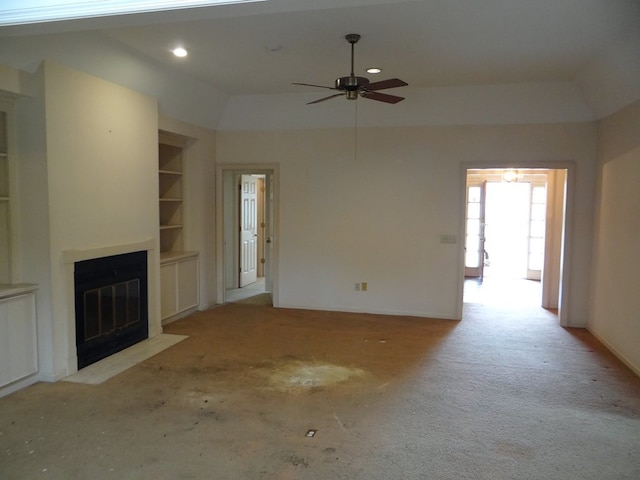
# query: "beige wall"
{"type": "Point", "coordinates": [32, 221]}
{"type": "Point", "coordinates": [93, 173]}
{"type": "Point", "coordinates": [374, 213]}
{"type": "Point", "coordinates": [379, 217]}
{"type": "Point", "coordinates": [615, 302]}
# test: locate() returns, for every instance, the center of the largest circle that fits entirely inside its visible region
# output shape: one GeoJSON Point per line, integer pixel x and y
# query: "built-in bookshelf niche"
{"type": "Point", "coordinates": [179, 269]}
{"type": "Point", "coordinates": [171, 189]}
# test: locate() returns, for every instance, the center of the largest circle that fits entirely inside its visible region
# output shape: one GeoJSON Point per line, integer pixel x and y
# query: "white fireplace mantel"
{"type": "Point", "coordinates": [72, 256]}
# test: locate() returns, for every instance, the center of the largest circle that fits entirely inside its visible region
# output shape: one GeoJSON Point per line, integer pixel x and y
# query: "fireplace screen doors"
{"type": "Point", "coordinates": [111, 305]}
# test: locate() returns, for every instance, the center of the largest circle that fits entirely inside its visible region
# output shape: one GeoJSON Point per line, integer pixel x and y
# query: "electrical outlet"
{"type": "Point", "coordinates": [448, 239]}
{"type": "Point", "coordinates": [357, 287]}
{"type": "Point", "coordinates": [364, 286]}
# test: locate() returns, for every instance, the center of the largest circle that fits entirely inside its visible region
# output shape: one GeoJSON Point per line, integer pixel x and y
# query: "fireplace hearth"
{"type": "Point", "coordinates": [111, 303]}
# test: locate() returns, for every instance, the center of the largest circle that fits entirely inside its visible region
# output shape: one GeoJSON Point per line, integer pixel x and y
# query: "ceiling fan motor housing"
{"type": "Point", "coordinates": [351, 83]}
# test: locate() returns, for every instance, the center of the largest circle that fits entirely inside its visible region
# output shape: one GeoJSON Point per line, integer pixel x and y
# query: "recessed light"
{"type": "Point", "coordinates": [180, 52]}
{"type": "Point", "coordinates": [374, 70]}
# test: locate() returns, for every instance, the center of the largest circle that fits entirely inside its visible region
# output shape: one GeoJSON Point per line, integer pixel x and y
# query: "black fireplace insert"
{"type": "Point", "coordinates": [111, 302]}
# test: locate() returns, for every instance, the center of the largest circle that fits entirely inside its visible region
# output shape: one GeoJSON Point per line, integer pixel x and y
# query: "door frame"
{"type": "Point", "coordinates": [566, 240]}
{"type": "Point", "coordinates": [272, 182]}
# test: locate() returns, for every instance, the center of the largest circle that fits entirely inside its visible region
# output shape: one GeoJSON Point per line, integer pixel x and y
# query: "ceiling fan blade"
{"type": "Point", "coordinates": [312, 85]}
{"type": "Point", "coordinates": [381, 97]}
{"type": "Point", "coordinates": [326, 98]}
{"type": "Point", "coordinates": [391, 83]}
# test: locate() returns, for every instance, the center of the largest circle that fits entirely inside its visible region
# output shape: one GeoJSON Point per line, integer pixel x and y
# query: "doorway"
{"type": "Point", "coordinates": [514, 224]}
{"type": "Point", "coordinates": [246, 231]}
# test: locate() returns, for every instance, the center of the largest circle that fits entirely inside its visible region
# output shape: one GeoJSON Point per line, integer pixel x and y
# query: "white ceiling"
{"type": "Point", "coordinates": [262, 48]}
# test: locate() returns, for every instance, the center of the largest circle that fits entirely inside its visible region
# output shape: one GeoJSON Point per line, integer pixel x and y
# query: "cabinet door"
{"type": "Point", "coordinates": [168, 298]}
{"type": "Point", "coordinates": [18, 344]}
{"type": "Point", "coordinates": [187, 284]}
{"type": "Point", "coordinates": [5, 341]}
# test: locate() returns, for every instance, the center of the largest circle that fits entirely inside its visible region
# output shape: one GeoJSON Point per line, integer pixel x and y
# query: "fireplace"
{"type": "Point", "coordinates": [111, 303]}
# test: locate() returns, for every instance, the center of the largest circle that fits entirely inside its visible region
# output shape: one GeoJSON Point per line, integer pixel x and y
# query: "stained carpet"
{"type": "Point", "coordinates": [261, 393]}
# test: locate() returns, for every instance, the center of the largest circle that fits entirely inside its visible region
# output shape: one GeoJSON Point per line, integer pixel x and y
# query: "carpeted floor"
{"type": "Point", "coordinates": [260, 299]}
{"type": "Point", "coordinates": [262, 393]}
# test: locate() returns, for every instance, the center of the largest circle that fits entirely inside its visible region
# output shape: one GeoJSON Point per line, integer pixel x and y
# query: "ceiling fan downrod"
{"type": "Point", "coordinates": [351, 84]}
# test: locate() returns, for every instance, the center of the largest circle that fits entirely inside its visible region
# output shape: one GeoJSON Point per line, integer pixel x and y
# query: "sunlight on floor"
{"type": "Point", "coordinates": [503, 291]}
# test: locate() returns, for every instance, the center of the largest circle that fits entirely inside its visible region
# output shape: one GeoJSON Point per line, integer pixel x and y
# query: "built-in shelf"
{"type": "Point", "coordinates": [168, 257]}
{"type": "Point", "coordinates": [18, 332]}
{"type": "Point", "coordinates": [19, 339]}
{"type": "Point", "coordinates": [170, 182]}
{"type": "Point", "coordinates": [179, 277]}
{"type": "Point", "coordinates": [16, 289]}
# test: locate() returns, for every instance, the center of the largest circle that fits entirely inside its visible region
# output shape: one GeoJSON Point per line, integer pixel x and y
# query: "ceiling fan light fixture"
{"type": "Point", "coordinates": [510, 175]}
{"type": "Point", "coordinates": [374, 70]}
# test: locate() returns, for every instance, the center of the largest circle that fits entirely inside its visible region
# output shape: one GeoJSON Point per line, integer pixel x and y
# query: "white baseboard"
{"type": "Point", "coordinates": [18, 385]}
{"type": "Point", "coordinates": [622, 357]}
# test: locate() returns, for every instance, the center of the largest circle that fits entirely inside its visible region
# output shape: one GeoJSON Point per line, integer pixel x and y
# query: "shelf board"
{"type": "Point", "coordinates": [172, 255]}
{"type": "Point", "coordinates": [171, 200]}
{"type": "Point", "coordinates": [170, 227]}
{"type": "Point", "coordinates": [3, 198]}
{"type": "Point", "coordinates": [13, 290]}
{"type": "Point", "coordinates": [169, 172]}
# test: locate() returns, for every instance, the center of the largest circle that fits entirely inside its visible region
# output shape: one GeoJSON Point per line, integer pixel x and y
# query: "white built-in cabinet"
{"type": "Point", "coordinates": [179, 285]}
{"type": "Point", "coordinates": [18, 340]}
{"type": "Point", "coordinates": [5, 196]}
{"type": "Point", "coordinates": [179, 269]}
{"type": "Point", "coordinates": [18, 334]}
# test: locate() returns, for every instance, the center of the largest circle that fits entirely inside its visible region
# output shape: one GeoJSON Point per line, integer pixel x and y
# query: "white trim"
{"type": "Point", "coordinates": [267, 169]}
{"type": "Point", "coordinates": [20, 12]}
{"type": "Point", "coordinates": [376, 311]}
{"type": "Point", "coordinates": [72, 256]}
{"type": "Point", "coordinates": [619, 355]}
{"type": "Point", "coordinates": [570, 167]}
{"type": "Point", "coordinates": [19, 385]}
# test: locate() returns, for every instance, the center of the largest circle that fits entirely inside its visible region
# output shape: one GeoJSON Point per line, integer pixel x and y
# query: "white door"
{"type": "Point", "coordinates": [248, 229]}
{"type": "Point", "coordinates": [475, 225]}
{"type": "Point", "coordinates": [537, 227]}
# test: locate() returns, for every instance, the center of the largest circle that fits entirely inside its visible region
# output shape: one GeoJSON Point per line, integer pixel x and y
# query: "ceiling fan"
{"type": "Point", "coordinates": [353, 86]}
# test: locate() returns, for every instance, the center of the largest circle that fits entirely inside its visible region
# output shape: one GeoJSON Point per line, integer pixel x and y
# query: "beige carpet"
{"type": "Point", "coordinates": [261, 393]}
{"type": "Point", "coordinates": [260, 299]}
